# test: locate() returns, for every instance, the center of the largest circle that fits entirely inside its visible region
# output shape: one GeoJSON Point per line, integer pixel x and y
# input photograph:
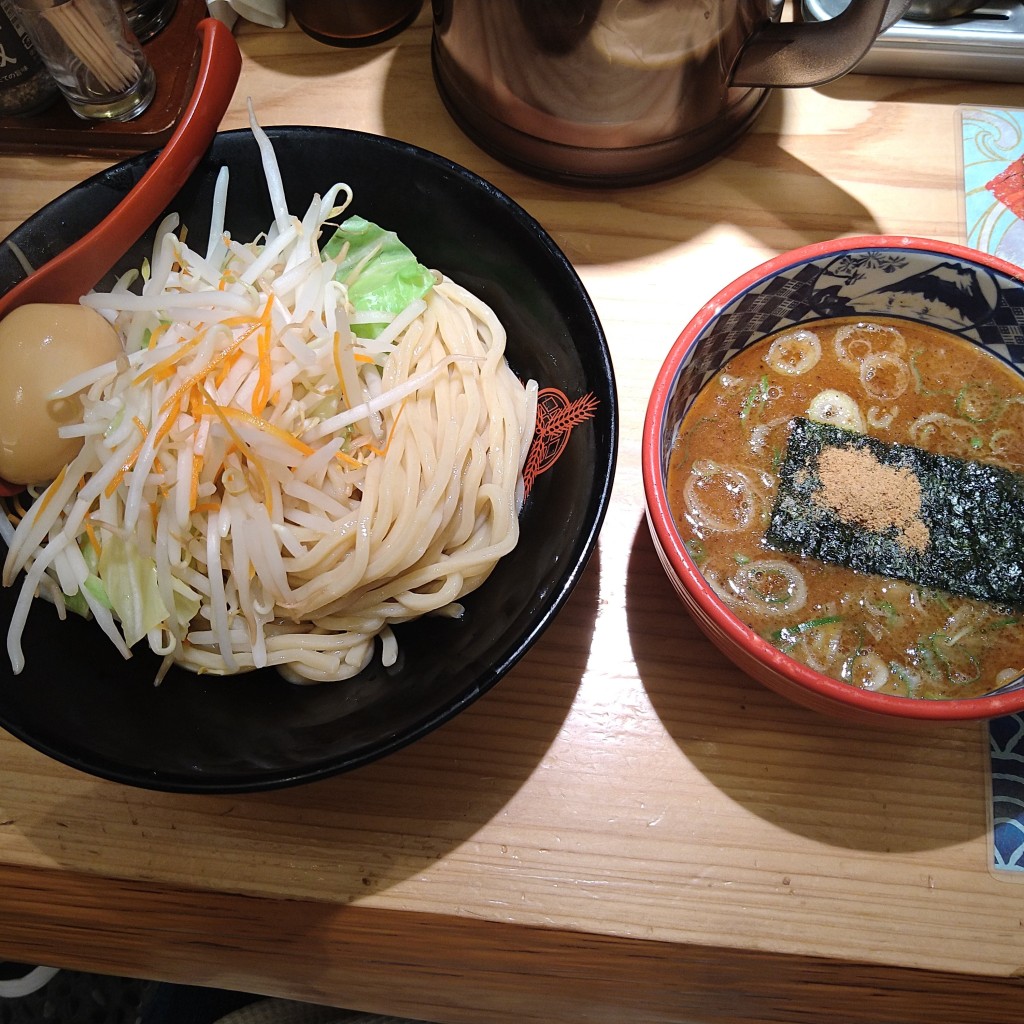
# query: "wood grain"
{"type": "Point", "coordinates": [458, 970]}
{"type": "Point", "coordinates": [626, 825]}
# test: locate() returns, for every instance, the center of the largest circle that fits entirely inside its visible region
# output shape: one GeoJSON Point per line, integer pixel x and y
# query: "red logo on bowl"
{"type": "Point", "coordinates": [556, 418]}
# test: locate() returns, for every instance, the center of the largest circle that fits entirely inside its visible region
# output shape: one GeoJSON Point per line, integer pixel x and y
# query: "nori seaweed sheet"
{"type": "Point", "coordinates": [974, 513]}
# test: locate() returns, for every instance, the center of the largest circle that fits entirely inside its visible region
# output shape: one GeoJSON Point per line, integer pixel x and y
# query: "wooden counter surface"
{"type": "Point", "coordinates": [626, 827]}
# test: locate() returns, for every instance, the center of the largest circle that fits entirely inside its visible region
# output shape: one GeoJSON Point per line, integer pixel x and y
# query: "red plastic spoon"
{"type": "Point", "coordinates": [68, 276]}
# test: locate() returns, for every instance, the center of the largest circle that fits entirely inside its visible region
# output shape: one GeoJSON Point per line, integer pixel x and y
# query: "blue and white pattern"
{"type": "Point", "coordinates": [993, 138]}
{"type": "Point", "coordinates": [1006, 738]}
{"type": "Point", "coordinates": [956, 294]}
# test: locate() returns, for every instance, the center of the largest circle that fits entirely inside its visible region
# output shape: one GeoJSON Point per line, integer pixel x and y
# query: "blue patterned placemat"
{"type": "Point", "coordinates": [993, 210]}
{"type": "Point", "coordinates": [993, 175]}
{"type": "Point", "coordinates": [1006, 739]}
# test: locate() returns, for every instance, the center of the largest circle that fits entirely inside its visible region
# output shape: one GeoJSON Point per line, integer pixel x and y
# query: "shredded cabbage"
{"type": "Point", "coordinates": [130, 584]}
{"type": "Point", "coordinates": [381, 273]}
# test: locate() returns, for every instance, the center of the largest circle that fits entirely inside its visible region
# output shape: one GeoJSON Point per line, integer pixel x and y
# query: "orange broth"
{"type": "Point", "coordinates": [899, 381]}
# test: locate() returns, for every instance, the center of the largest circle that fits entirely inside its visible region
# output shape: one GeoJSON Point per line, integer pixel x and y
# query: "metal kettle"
{"type": "Point", "coordinates": [619, 92]}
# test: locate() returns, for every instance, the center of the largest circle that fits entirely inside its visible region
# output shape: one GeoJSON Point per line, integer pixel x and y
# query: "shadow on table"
{"type": "Point", "coordinates": [349, 836]}
{"type": "Point", "coordinates": [781, 201]}
{"type": "Point", "coordinates": [756, 182]}
{"type": "Point", "coordinates": [852, 786]}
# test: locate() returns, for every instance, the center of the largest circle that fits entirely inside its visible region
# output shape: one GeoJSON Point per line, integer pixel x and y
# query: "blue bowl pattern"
{"type": "Point", "coordinates": [944, 289]}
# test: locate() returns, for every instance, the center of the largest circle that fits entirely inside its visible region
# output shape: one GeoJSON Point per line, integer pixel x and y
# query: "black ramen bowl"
{"type": "Point", "coordinates": [79, 702]}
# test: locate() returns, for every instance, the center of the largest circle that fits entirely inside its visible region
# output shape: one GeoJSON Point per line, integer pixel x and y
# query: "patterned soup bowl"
{"type": "Point", "coordinates": [879, 279]}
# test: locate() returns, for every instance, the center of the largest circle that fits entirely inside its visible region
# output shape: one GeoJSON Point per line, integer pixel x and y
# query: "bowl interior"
{"type": "Point", "coordinates": [79, 702]}
{"type": "Point", "coordinates": [948, 287]}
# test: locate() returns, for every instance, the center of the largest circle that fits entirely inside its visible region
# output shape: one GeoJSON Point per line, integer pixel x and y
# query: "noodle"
{"type": "Point", "coordinates": [259, 486]}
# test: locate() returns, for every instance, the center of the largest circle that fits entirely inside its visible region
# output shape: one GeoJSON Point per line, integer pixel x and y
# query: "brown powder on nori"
{"type": "Point", "coordinates": [861, 490]}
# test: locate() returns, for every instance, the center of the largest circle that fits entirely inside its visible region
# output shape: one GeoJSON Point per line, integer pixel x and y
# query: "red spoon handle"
{"type": "Point", "coordinates": [68, 276]}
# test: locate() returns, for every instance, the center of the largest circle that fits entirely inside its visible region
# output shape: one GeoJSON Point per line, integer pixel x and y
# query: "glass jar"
{"type": "Point", "coordinates": [147, 17]}
{"type": "Point", "coordinates": [26, 87]}
{"type": "Point", "coordinates": [93, 54]}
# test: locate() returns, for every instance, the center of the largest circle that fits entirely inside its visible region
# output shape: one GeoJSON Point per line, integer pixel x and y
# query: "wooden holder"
{"type": "Point", "coordinates": [173, 52]}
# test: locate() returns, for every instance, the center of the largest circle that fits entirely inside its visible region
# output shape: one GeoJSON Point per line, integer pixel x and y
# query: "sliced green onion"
{"type": "Point", "coordinates": [960, 666]}
{"type": "Point", "coordinates": [790, 635]}
{"type": "Point", "coordinates": [979, 402]}
{"type": "Point", "coordinates": [755, 396]}
{"type": "Point", "coordinates": [695, 549]}
{"type": "Point", "coordinates": [837, 409]}
{"type": "Point", "coordinates": [794, 352]}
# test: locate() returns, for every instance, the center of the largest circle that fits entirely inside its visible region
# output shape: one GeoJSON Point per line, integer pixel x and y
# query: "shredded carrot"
{"type": "Point", "coordinates": [362, 357]}
{"type": "Point", "coordinates": [197, 378]}
{"type": "Point", "coordinates": [165, 427]}
{"type": "Point", "coordinates": [162, 432]}
{"type": "Point", "coordinates": [193, 493]}
{"type": "Point", "coordinates": [274, 431]}
{"type": "Point", "coordinates": [19, 508]}
{"type": "Point", "coordinates": [130, 461]}
{"type": "Point", "coordinates": [52, 490]}
{"type": "Point", "coordinates": [346, 458]}
{"type": "Point", "coordinates": [207, 506]}
{"type": "Point", "coordinates": [261, 393]}
{"type": "Point", "coordinates": [156, 333]}
{"type": "Point", "coordinates": [391, 433]}
{"type": "Point", "coordinates": [94, 540]}
{"type": "Point", "coordinates": [166, 367]}
{"type": "Point", "coordinates": [226, 367]}
{"type": "Point", "coordinates": [262, 425]}
{"type": "Point", "coordinates": [250, 455]}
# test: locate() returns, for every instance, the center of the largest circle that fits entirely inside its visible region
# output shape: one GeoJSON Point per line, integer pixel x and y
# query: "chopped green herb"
{"type": "Point", "coordinates": [696, 551]}
{"type": "Point", "coordinates": [979, 402]}
{"type": "Point", "coordinates": [918, 379]}
{"type": "Point", "coordinates": [1003, 623]}
{"type": "Point", "coordinates": [756, 396]}
{"type": "Point", "coordinates": [904, 677]}
{"type": "Point", "coordinates": [959, 664]}
{"type": "Point", "coordinates": [789, 635]}
{"type": "Point", "coordinates": [888, 609]}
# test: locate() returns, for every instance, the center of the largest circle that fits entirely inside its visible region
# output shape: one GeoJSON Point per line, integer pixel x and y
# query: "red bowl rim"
{"type": "Point", "coordinates": [660, 515]}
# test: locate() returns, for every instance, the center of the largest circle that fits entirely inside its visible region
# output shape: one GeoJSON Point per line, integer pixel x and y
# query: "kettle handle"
{"type": "Point", "coordinates": [814, 52]}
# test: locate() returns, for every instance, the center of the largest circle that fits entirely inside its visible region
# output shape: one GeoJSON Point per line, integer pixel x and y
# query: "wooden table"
{"type": "Point", "coordinates": [626, 828]}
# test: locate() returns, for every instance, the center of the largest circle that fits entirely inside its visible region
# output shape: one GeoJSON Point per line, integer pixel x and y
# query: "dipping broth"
{"type": "Point", "coordinates": [899, 381]}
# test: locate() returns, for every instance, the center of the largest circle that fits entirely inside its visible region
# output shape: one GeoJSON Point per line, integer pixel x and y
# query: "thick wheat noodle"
{"type": "Point", "coordinates": [430, 517]}
{"type": "Point", "coordinates": [423, 517]}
